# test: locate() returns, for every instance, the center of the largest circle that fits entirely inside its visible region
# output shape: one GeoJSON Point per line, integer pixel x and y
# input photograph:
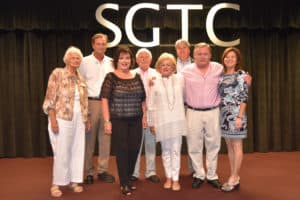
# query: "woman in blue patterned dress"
{"type": "Point", "coordinates": [234, 95]}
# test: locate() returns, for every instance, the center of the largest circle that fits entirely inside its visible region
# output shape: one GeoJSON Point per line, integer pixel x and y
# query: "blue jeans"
{"type": "Point", "coordinates": [150, 153]}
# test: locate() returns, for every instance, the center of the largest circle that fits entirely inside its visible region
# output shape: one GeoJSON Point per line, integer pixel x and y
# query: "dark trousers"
{"type": "Point", "coordinates": [127, 136]}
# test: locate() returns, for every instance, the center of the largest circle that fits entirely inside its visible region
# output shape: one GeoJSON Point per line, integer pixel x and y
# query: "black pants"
{"type": "Point", "coordinates": [127, 136]}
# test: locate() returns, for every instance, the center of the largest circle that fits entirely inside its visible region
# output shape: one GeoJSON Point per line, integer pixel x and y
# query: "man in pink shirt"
{"type": "Point", "coordinates": [202, 99]}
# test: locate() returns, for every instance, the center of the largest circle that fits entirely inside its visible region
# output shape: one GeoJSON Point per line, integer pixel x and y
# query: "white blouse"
{"type": "Point", "coordinates": [166, 108]}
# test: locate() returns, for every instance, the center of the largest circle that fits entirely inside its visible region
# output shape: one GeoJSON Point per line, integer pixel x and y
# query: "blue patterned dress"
{"type": "Point", "coordinates": [233, 91]}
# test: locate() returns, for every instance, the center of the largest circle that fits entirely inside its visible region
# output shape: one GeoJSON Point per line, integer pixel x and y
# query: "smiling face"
{"type": "Point", "coordinates": [144, 60]}
{"type": "Point", "coordinates": [202, 56]}
{"type": "Point", "coordinates": [166, 67]}
{"type": "Point", "coordinates": [230, 60]}
{"type": "Point", "coordinates": [124, 61]}
{"type": "Point", "coordinates": [99, 46]}
{"type": "Point", "coordinates": [182, 51]}
{"type": "Point", "coordinates": [73, 60]}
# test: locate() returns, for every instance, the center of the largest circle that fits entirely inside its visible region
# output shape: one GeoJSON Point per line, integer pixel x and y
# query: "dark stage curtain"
{"type": "Point", "coordinates": [35, 34]}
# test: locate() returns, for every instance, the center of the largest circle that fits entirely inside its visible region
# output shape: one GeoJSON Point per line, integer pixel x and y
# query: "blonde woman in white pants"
{"type": "Point", "coordinates": [66, 104]}
{"type": "Point", "coordinates": [167, 117]}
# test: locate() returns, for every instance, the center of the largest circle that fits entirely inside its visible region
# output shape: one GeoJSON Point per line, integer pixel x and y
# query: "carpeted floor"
{"type": "Point", "coordinates": [264, 176]}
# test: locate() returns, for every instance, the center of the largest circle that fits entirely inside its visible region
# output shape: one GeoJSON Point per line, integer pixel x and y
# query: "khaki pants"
{"type": "Point", "coordinates": [210, 137]}
{"type": "Point", "coordinates": [97, 131]}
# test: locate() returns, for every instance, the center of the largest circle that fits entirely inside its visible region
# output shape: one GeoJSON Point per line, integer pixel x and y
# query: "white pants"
{"type": "Point", "coordinates": [68, 150]}
{"type": "Point", "coordinates": [171, 157]}
{"type": "Point", "coordinates": [204, 127]}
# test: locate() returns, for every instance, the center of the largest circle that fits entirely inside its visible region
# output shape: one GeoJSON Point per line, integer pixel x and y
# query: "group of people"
{"type": "Point", "coordinates": [96, 97]}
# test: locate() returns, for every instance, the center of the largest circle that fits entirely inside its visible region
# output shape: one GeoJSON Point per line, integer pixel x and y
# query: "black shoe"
{"type": "Point", "coordinates": [215, 183]}
{"type": "Point", "coordinates": [126, 190]}
{"type": "Point", "coordinates": [153, 178]}
{"type": "Point", "coordinates": [191, 174]}
{"type": "Point", "coordinates": [89, 179]}
{"type": "Point", "coordinates": [133, 178]}
{"type": "Point", "coordinates": [230, 188]}
{"type": "Point", "coordinates": [106, 177]}
{"type": "Point", "coordinates": [131, 186]}
{"type": "Point", "coordinates": [197, 182]}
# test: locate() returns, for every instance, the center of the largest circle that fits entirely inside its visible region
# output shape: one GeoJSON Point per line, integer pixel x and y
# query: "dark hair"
{"type": "Point", "coordinates": [238, 57]}
{"type": "Point", "coordinates": [123, 49]}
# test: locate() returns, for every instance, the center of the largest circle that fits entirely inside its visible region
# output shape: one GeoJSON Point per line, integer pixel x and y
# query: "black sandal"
{"type": "Point", "coordinates": [126, 190]}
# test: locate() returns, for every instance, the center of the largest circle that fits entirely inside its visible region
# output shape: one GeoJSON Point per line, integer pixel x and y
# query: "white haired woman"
{"type": "Point", "coordinates": [167, 116]}
{"type": "Point", "coordinates": [66, 104]}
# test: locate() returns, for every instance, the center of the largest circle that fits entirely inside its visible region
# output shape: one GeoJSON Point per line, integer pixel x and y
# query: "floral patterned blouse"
{"type": "Point", "coordinates": [61, 92]}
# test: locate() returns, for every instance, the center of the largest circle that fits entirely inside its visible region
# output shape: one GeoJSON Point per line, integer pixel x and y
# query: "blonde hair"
{"type": "Point", "coordinates": [72, 49]}
{"type": "Point", "coordinates": [165, 56]}
{"type": "Point", "coordinates": [201, 45]}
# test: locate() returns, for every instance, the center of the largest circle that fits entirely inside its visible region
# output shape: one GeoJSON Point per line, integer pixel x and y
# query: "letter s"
{"type": "Point", "coordinates": [114, 28]}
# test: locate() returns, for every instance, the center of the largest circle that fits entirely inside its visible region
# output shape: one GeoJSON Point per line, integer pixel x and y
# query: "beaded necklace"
{"type": "Point", "coordinates": [170, 104]}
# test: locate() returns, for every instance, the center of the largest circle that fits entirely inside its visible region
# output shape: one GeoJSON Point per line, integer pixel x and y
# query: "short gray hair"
{"type": "Point", "coordinates": [72, 49]}
{"type": "Point", "coordinates": [182, 41]}
{"type": "Point", "coordinates": [143, 50]}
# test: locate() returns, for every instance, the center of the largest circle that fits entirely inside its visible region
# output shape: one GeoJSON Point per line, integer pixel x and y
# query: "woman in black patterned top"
{"type": "Point", "coordinates": [123, 104]}
{"type": "Point", "coordinates": [233, 91]}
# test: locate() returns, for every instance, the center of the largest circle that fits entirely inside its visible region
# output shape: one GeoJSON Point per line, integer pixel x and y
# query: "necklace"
{"type": "Point", "coordinates": [170, 103]}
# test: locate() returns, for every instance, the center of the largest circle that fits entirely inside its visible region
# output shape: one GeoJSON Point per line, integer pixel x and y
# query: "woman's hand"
{"type": "Point", "coordinates": [107, 128]}
{"type": "Point", "coordinates": [238, 123]}
{"type": "Point", "coordinates": [54, 126]}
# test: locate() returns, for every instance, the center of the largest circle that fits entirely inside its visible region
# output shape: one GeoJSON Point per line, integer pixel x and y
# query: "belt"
{"type": "Point", "coordinates": [202, 109]}
{"type": "Point", "coordinates": [94, 98]}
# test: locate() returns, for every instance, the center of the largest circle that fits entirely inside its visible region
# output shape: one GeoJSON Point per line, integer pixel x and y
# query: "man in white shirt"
{"type": "Point", "coordinates": [144, 59]}
{"type": "Point", "coordinates": [94, 69]}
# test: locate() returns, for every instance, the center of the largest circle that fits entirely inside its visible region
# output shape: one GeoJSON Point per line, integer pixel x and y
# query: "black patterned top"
{"type": "Point", "coordinates": [125, 96]}
{"type": "Point", "coordinates": [233, 91]}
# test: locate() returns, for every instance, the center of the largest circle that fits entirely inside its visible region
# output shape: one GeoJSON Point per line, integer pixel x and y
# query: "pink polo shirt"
{"type": "Point", "coordinates": [201, 90]}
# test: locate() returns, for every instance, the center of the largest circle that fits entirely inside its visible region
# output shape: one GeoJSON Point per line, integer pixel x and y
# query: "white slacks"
{"type": "Point", "coordinates": [211, 137]}
{"type": "Point", "coordinates": [68, 150]}
{"type": "Point", "coordinates": [171, 157]}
